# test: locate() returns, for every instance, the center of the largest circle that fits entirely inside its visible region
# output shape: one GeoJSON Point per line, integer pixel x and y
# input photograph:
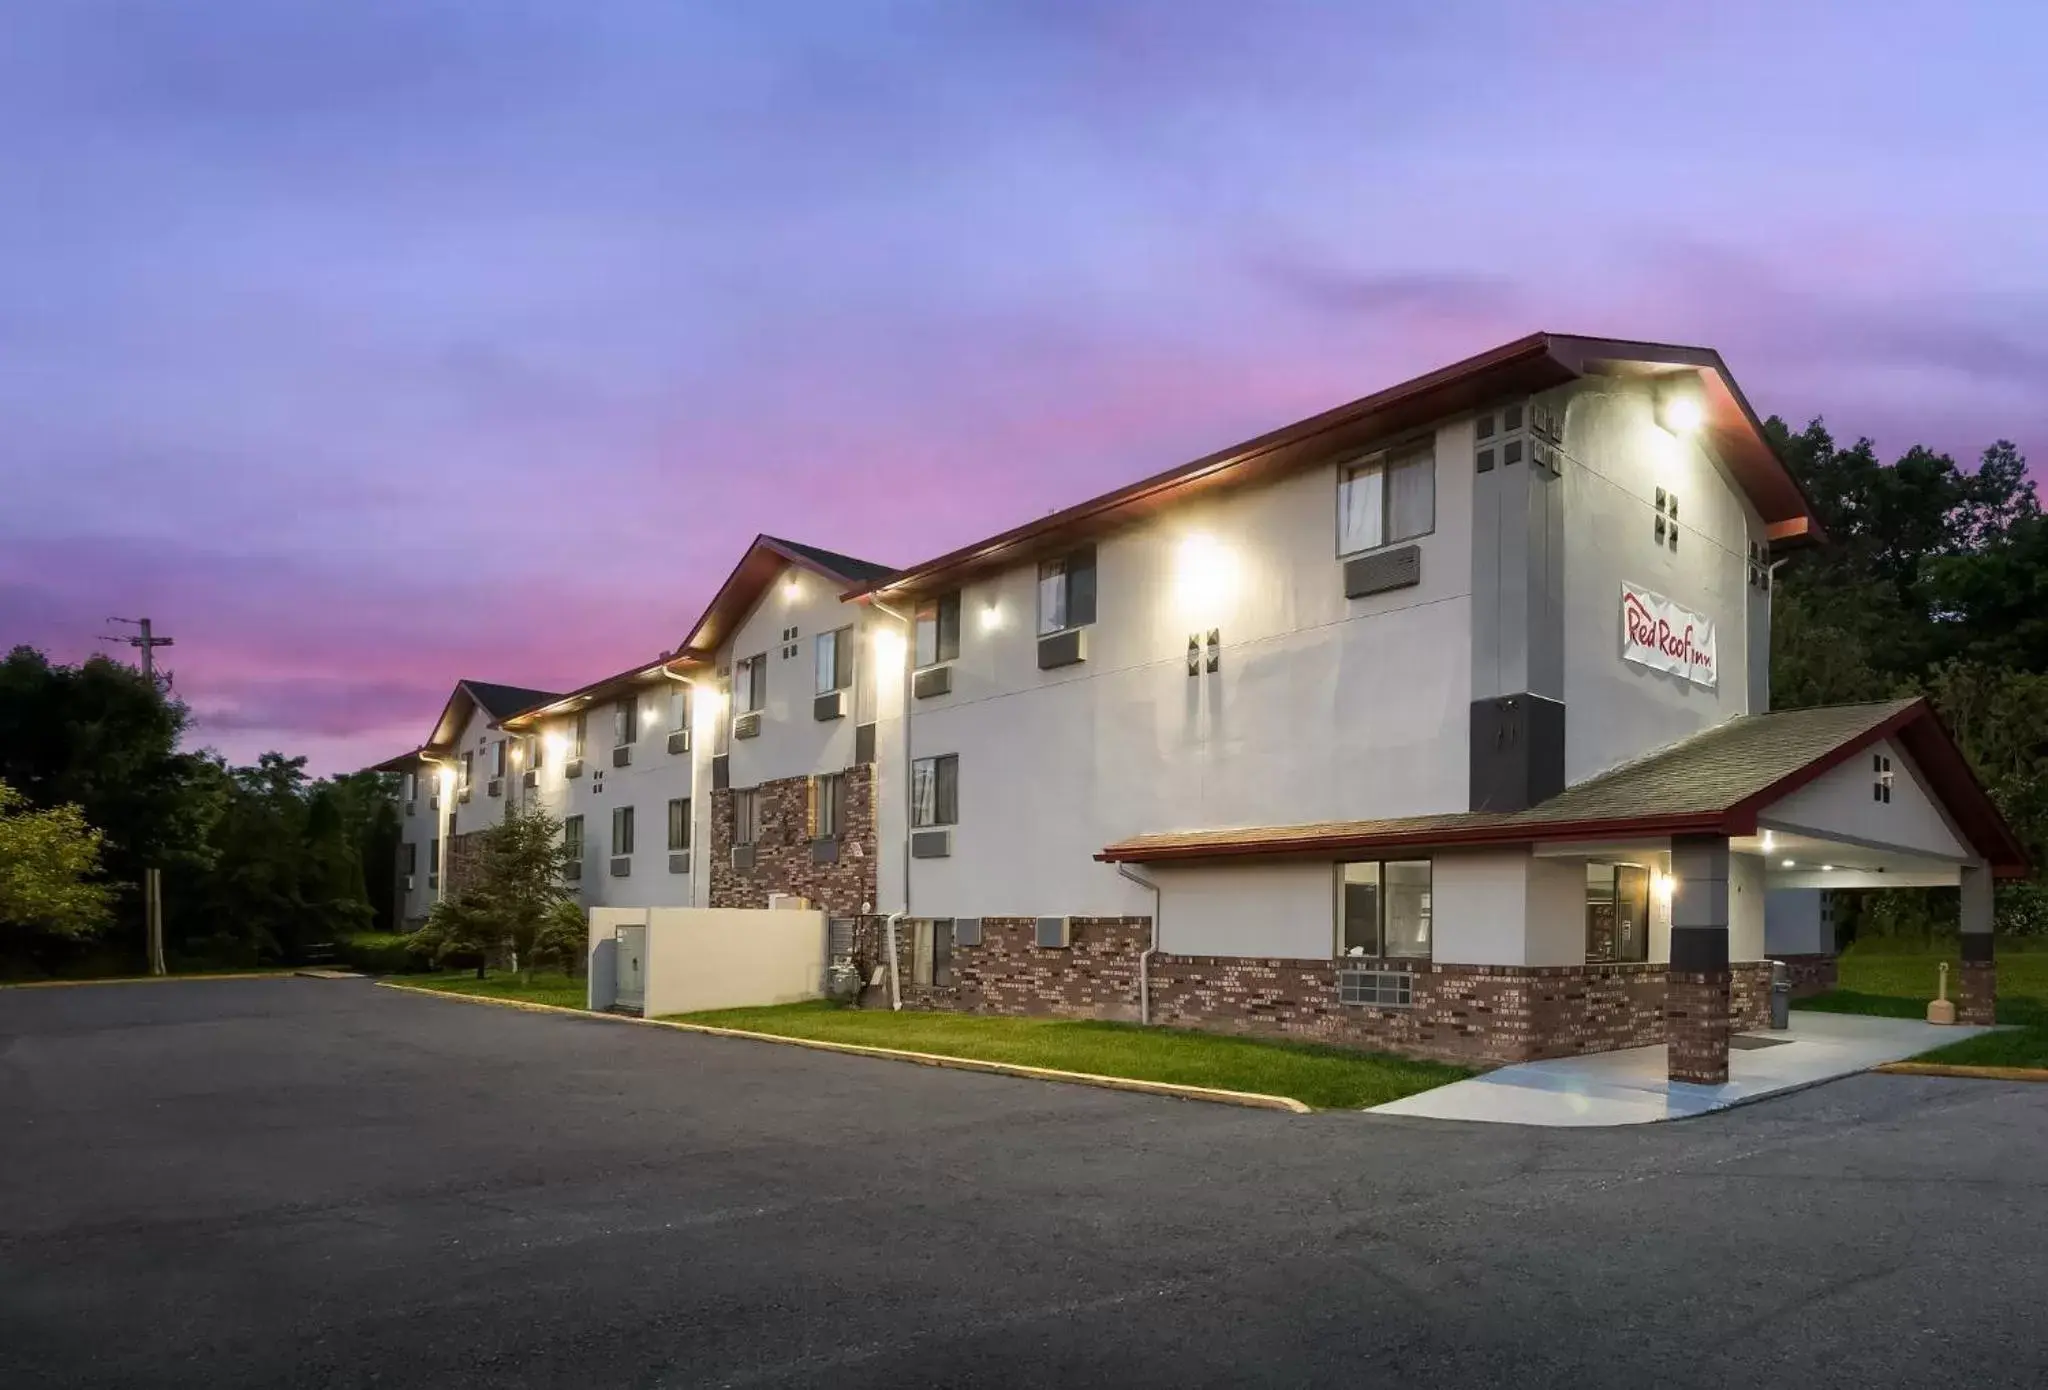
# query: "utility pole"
{"type": "Point", "coordinates": [146, 641]}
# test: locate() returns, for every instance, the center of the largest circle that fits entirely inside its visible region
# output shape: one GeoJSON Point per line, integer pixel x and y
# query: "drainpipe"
{"type": "Point", "coordinates": [1145, 957]}
{"type": "Point", "coordinates": [909, 640]}
{"type": "Point", "coordinates": [440, 870]}
{"type": "Point", "coordinates": [690, 725]}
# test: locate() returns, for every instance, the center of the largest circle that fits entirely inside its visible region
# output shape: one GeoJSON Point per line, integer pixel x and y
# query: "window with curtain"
{"type": "Point", "coordinates": [679, 709]}
{"type": "Point", "coordinates": [828, 805]}
{"type": "Point", "coordinates": [579, 728]}
{"type": "Point", "coordinates": [938, 630]}
{"type": "Point", "coordinates": [412, 786]}
{"type": "Point", "coordinates": [1383, 908]}
{"type": "Point", "coordinates": [935, 790]}
{"type": "Point", "coordinates": [625, 721]}
{"type": "Point", "coordinates": [622, 830]}
{"type": "Point", "coordinates": [750, 684]}
{"type": "Point", "coordinates": [498, 758]}
{"type": "Point", "coordinates": [1386, 499]}
{"type": "Point", "coordinates": [679, 823]}
{"type": "Point", "coordinates": [835, 660]}
{"type": "Point", "coordinates": [746, 817]}
{"type": "Point", "coordinates": [1066, 592]}
{"type": "Point", "coordinates": [572, 837]}
{"type": "Point", "coordinates": [412, 856]}
{"type": "Point", "coordinates": [466, 769]}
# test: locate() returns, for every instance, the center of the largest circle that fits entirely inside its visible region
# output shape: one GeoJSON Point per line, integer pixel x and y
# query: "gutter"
{"type": "Point", "coordinates": [1145, 956]}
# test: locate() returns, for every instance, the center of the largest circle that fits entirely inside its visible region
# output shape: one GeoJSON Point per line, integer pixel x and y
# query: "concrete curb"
{"type": "Point", "coordinates": [1977, 1073]}
{"type": "Point", "coordinates": [153, 979]}
{"type": "Point", "coordinates": [1213, 1095]}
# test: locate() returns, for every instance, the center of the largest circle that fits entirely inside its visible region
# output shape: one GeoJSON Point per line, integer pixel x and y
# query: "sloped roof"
{"type": "Point", "coordinates": [763, 561]}
{"type": "Point", "coordinates": [1712, 783]}
{"type": "Point", "coordinates": [832, 562]}
{"type": "Point", "coordinates": [1535, 363]}
{"type": "Point", "coordinates": [504, 701]}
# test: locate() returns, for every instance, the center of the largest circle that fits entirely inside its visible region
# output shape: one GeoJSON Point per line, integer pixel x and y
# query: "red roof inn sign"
{"type": "Point", "coordinates": [1656, 632]}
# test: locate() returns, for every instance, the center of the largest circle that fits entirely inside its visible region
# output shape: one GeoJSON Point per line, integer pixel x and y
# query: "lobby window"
{"type": "Point", "coordinates": [935, 791]}
{"type": "Point", "coordinates": [1066, 592]}
{"type": "Point", "coordinates": [1383, 908]}
{"type": "Point", "coordinates": [1387, 498]}
{"type": "Point", "coordinates": [938, 629]}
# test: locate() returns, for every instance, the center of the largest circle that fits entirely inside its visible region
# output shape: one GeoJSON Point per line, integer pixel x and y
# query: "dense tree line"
{"type": "Point", "coordinates": [257, 863]}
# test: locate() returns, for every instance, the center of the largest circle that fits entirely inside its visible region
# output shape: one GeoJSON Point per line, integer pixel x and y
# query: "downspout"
{"type": "Point", "coordinates": [440, 869]}
{"type": "Point", "coordinates": [909, 637]}
{"type": "Point", "coordinates": [690, 727]}
{"type": "Point", "coordinates": [1145, 956]}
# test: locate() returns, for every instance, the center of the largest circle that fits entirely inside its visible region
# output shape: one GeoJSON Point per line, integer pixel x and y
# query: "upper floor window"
{"type": "Point", "coordinates": [750, 684]}
{"type": "Point", "coordinates": [1066, 591]}
{"type": "Point", "coordinates": [579, 729]}
{"type": "Point", "coordinates": [935, 790]}
{"type": "Point", "coordinates": [679, 709]}
{"type": "Point", "coordinates": [498, 758]}
{"type": "Point", "coordinates": [679, 824]}
{"type": "Point", "coordinates": [1387, 498]}
{"type": "Point", "coordinates": [938, 629]}
{"type": "Point", "coordinates": [572, 838]}
{"type": "Point", "coordinates": [625, 721]}
{"type": "Point", "coordinates": [835, 660]}
{"type": "Point", "coordinates": [412, 786]}
{"type": "Point", "coordinates": [746, 816]}
{"type": "Point", "coordinates": [468, 760]}
{"type": "Point", "coordinates": [622, 830]}
{"type": "Point", "coordinates": [1383, 908]}
{"type": "Point", "coordinates": [533, 750]}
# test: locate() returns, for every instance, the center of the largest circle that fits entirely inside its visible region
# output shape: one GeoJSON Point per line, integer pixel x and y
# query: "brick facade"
{"type": "Point", "coordinates": [1811, 974]}
{"type": "Point", "coordinates": [784, 859]}
{"type": "Point", "coordinates": [1977, 992]}
{"type": "Point", "coordinates": [1481, 1014]}
{"type": "Point", "coordinates": [1696, 1022]}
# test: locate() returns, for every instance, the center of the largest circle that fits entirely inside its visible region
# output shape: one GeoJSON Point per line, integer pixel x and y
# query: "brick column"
{"type": "Point", "coordinates": [1977, 983]}
{"type": "Point", "coordinates": [1696, 990]}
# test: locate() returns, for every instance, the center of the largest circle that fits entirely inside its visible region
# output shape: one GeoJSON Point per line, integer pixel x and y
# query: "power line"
{"type": "Point", "coordinates": [146, 641]}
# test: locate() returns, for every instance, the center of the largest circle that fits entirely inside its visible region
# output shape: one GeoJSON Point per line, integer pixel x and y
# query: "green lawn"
{"type": "Point", "coordinates": [1896, 981]}
{"type": "Point", "coordinates": [1324, 1077]}
{"type": "Point", "coordinates": [544, 988]}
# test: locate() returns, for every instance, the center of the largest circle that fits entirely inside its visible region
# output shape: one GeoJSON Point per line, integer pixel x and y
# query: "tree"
{"type": "Point", "coordinates": [49, 866]}
{"type": "Point", "coordinates": [515, 903]}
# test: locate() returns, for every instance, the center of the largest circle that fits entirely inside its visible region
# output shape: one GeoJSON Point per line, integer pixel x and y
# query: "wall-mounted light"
{"type": "Point", "coordinates": [1204, 575]}
{"type": "Point", "coordinates": [791, 589]}
{"type": "Point", "coordinates": [447, 778]}
{"type": "Point", "coordinates": [518, 754]}
{"type": "Point", "coordinates": [1785, 864]}
{"type": "Point", "coordinates": [557, 745]}
{"type": "Point", "coordinates": [1663, 885]}
{"type": "Point", "coordinates": [1679, 408]}
{"type": "Point", "coordinates": [1769, 843]}
{"type": "Point", "coordinates": [1827, 868]}
{"type": "Point", "coordinates": [991, 616]}
{"type": "Point", "coordinates": [890, 648]}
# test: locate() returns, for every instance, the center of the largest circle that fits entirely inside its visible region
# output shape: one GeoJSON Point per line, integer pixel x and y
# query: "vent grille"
{"type": "Point", "coordinates": [933, 680]}
{"type": "Point", "coordinates": [1054, 933]}
{"type": "Point", "coordinates": [495, 787]}
{"type": "Point", "coordinates": [622, 866]}
{"type": "Point", "coordinates": [679, 741]}
{"type": "Point", "coordinates": [1382, 989]}
{"type": "Point", "coordinates": [830, 705]}
{"type": "Point", "coordinates": [931, 844]}
{"type": "Point", "coordinates": [679, 862]}
{"type": "Point", "coordinates": [747, 725]}
{"type": "Point", "coordinates": [622, 755]}
{"type": "Point", "coordinates": [573, 768]}
{"type": "Point", "coordinates": [530, 778]}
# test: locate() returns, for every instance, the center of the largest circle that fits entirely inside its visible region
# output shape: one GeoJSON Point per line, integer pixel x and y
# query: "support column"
{"type": "Point", "coordinates": [1977, 986]}
{"type": "Point", "coordinates": [1696, 988]}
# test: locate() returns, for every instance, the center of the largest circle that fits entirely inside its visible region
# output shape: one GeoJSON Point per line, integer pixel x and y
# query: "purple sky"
{"type": "Point", "coordinates": [369, 346]}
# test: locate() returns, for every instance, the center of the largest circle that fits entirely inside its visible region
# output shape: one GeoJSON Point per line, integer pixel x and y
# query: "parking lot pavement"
{"type": "Point", "coordinates": [298, 1182]}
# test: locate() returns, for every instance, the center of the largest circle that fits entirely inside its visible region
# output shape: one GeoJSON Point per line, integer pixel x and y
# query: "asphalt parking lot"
{"type": "Point", "coordinates": [296, 1182]}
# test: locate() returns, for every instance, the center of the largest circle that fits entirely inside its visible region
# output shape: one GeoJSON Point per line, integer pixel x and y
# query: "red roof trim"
{"type": "Point", "coordinates": [1276, 843]}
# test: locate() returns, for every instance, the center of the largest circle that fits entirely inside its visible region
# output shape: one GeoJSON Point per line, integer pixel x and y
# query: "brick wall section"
{"type": "Point", "coordinates": [1749, 995]}
{"type": "Point", "coordinates": [782, 856]}
{"type": "Point", "coordinates": [1696, 1017]}
{"type": "Point", "coordinates": [1811, 974]}
{"type": "Point", "coordinates": [1467, 1013]}
{"type": "Point", "coordinates": [1977, 992]}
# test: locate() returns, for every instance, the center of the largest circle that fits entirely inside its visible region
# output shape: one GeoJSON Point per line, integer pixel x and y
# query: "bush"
{"type": "Point", "coordinates": [379, 953]}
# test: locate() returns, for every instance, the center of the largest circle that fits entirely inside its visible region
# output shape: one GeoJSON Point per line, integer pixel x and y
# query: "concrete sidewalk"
{"type": "Point", "coordinates": [1630, 1087]}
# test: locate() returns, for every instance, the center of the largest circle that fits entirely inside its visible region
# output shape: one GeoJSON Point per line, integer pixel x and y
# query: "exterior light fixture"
{"type": "Point", "coordinates": [991, 617]}
{"type": "Point", "coordinates": [1205, 575]}
{"type": "Point", "coordinates": [1768, 842]}
{"type": "Point", "coordinates": [517, 755]}
{"type": "Point", "coordinates": [1662, 885]}
{"type": "Point", "coordinates": [1786, 864]}
{"type": "Point", "coordinates": [1827, 868]}
{"type": "Point", "coordinates": [791, 589]}
{"type": "Point", "coordinates": [1679, 409]}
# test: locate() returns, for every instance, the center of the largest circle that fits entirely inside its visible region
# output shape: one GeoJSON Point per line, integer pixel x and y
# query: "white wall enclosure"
{"type": "Point", "coordinates": [658, 961]}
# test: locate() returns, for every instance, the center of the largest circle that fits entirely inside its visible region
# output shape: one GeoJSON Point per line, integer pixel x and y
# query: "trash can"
{"type": "Point", "coordinates": [1781, 995]}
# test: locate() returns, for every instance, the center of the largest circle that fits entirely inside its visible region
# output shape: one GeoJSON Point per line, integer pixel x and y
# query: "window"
{"type": "Point", "coordinates": [579, 727]}
{"type": "Point", "coordinates": [1617, 913]}
{"type": "Point", "coordinates": [1387, 498]}
{"type": "Point", "coordinates": [434, 855]}
{"type": "Point", "coordinates": [466, 769]}
{"type": "Point", "coordinates": [411, 790]}
{"type": "Point", "coordinates": [572, 837]}
{"type": "Point", "coordinates": [750, 684]}
{"type": "Point", "coordinates": [835, 660]}
{"type": "Point", "coordinates": [625, 721]}
{"type": "Point", "coordinates": [679, 709]}
{"type": "Point", "coordinates": [828, 805]}
{"type": "Point", "coordinates": [498, 758]}
{"type": "Point", "coordinates": [679, 823]}
{"type": "Point", "coordinates": [746, 817]}
{"type": "Point", "coordinates": [1881, 778]}
{"type": "Point", "coordinates": [412, 857]}
{"type": "Point", "coordinates": [533, 751]}
{"type": "Point", "coordinates": [622, 830]}
{"type": "Point", "coordinates": [938, 629]}
{"type": "Point", "coordinates": [1383, 908]}
{"type": "Point", "coordinates": [935, 790]}
{"type": "Point", "coordinates": [1066, 592]}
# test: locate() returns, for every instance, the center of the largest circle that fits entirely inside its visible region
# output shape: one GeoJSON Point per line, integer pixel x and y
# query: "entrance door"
{"type": "Point", "coordinates": [1631, 912]}
{"type": "Point", "coordinates": [630, 955]}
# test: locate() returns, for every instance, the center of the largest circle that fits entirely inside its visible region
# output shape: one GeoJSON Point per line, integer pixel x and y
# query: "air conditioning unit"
{"type": "Point", "coordinates": [679, 741]}
{"type": "Point", "coordinates": [787, 902]}
{"type": "Point", "coordinates": [966, 931]}
{"type": "Point", "coordinates": [931, 844]}
{"type": "Point", "coordinates": [679, 862]}
{"type": "Point", "coordinates": [463, 796]}
{"type": "Point", "coordinates": [622, 755]}
{"type": "Point", "coordinates": [747, 725]}
{"type": "Point", "coordinates": [495, 787]}
{"type": "Point", "coordinates": [622, 865]}
{"type": "Point", "coordinates": [1055, 933]}
{"type": "Point", "coordinates": [743, 856]}
{"type": "Point", "coordinates": [572, 872]}
{"type": "Point", "coordinates": [830, 705]}
{"type": "Point", "coordinates": [933, 680]}
{"type": "Point", "coordinates": [530, 778]}
{"type": "Point", "coordinates": [573, 768]}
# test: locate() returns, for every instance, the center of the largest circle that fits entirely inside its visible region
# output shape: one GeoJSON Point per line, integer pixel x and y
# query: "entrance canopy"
{"type": "Point", "coordinates": [1841, 796]}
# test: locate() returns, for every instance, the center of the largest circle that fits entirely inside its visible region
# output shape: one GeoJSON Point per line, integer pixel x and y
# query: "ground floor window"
{"type": "Point", "coordinates": [1617, 913]}
{"type": "Point", "coordinates": [1383, 908]}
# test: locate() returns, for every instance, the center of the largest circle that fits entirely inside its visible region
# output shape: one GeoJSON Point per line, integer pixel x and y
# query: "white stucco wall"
{"type": "Point", "coordinates": [1794, 924]}
{"type": "Point", "coordinates": [1323, 707]}
{"type": "Point", "coordinates": [1617, 458]}
{"type": "Point", "coordinates": [792, 741]}
{"type": "Point", "coordinates": [1839, 804]}
{"type": "Point", "coordinates": [1479, 902]}
{"type": "Point", "coordinates": [1746, 897]}
{"type": "Point", "coordinates": [729, 958]}
{"type": "Point", "coordinates": [1283, 910]}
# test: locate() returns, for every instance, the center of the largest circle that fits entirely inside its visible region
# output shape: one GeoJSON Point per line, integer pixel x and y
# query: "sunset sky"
{"type": "Point", "coordinates": [369, 346]}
